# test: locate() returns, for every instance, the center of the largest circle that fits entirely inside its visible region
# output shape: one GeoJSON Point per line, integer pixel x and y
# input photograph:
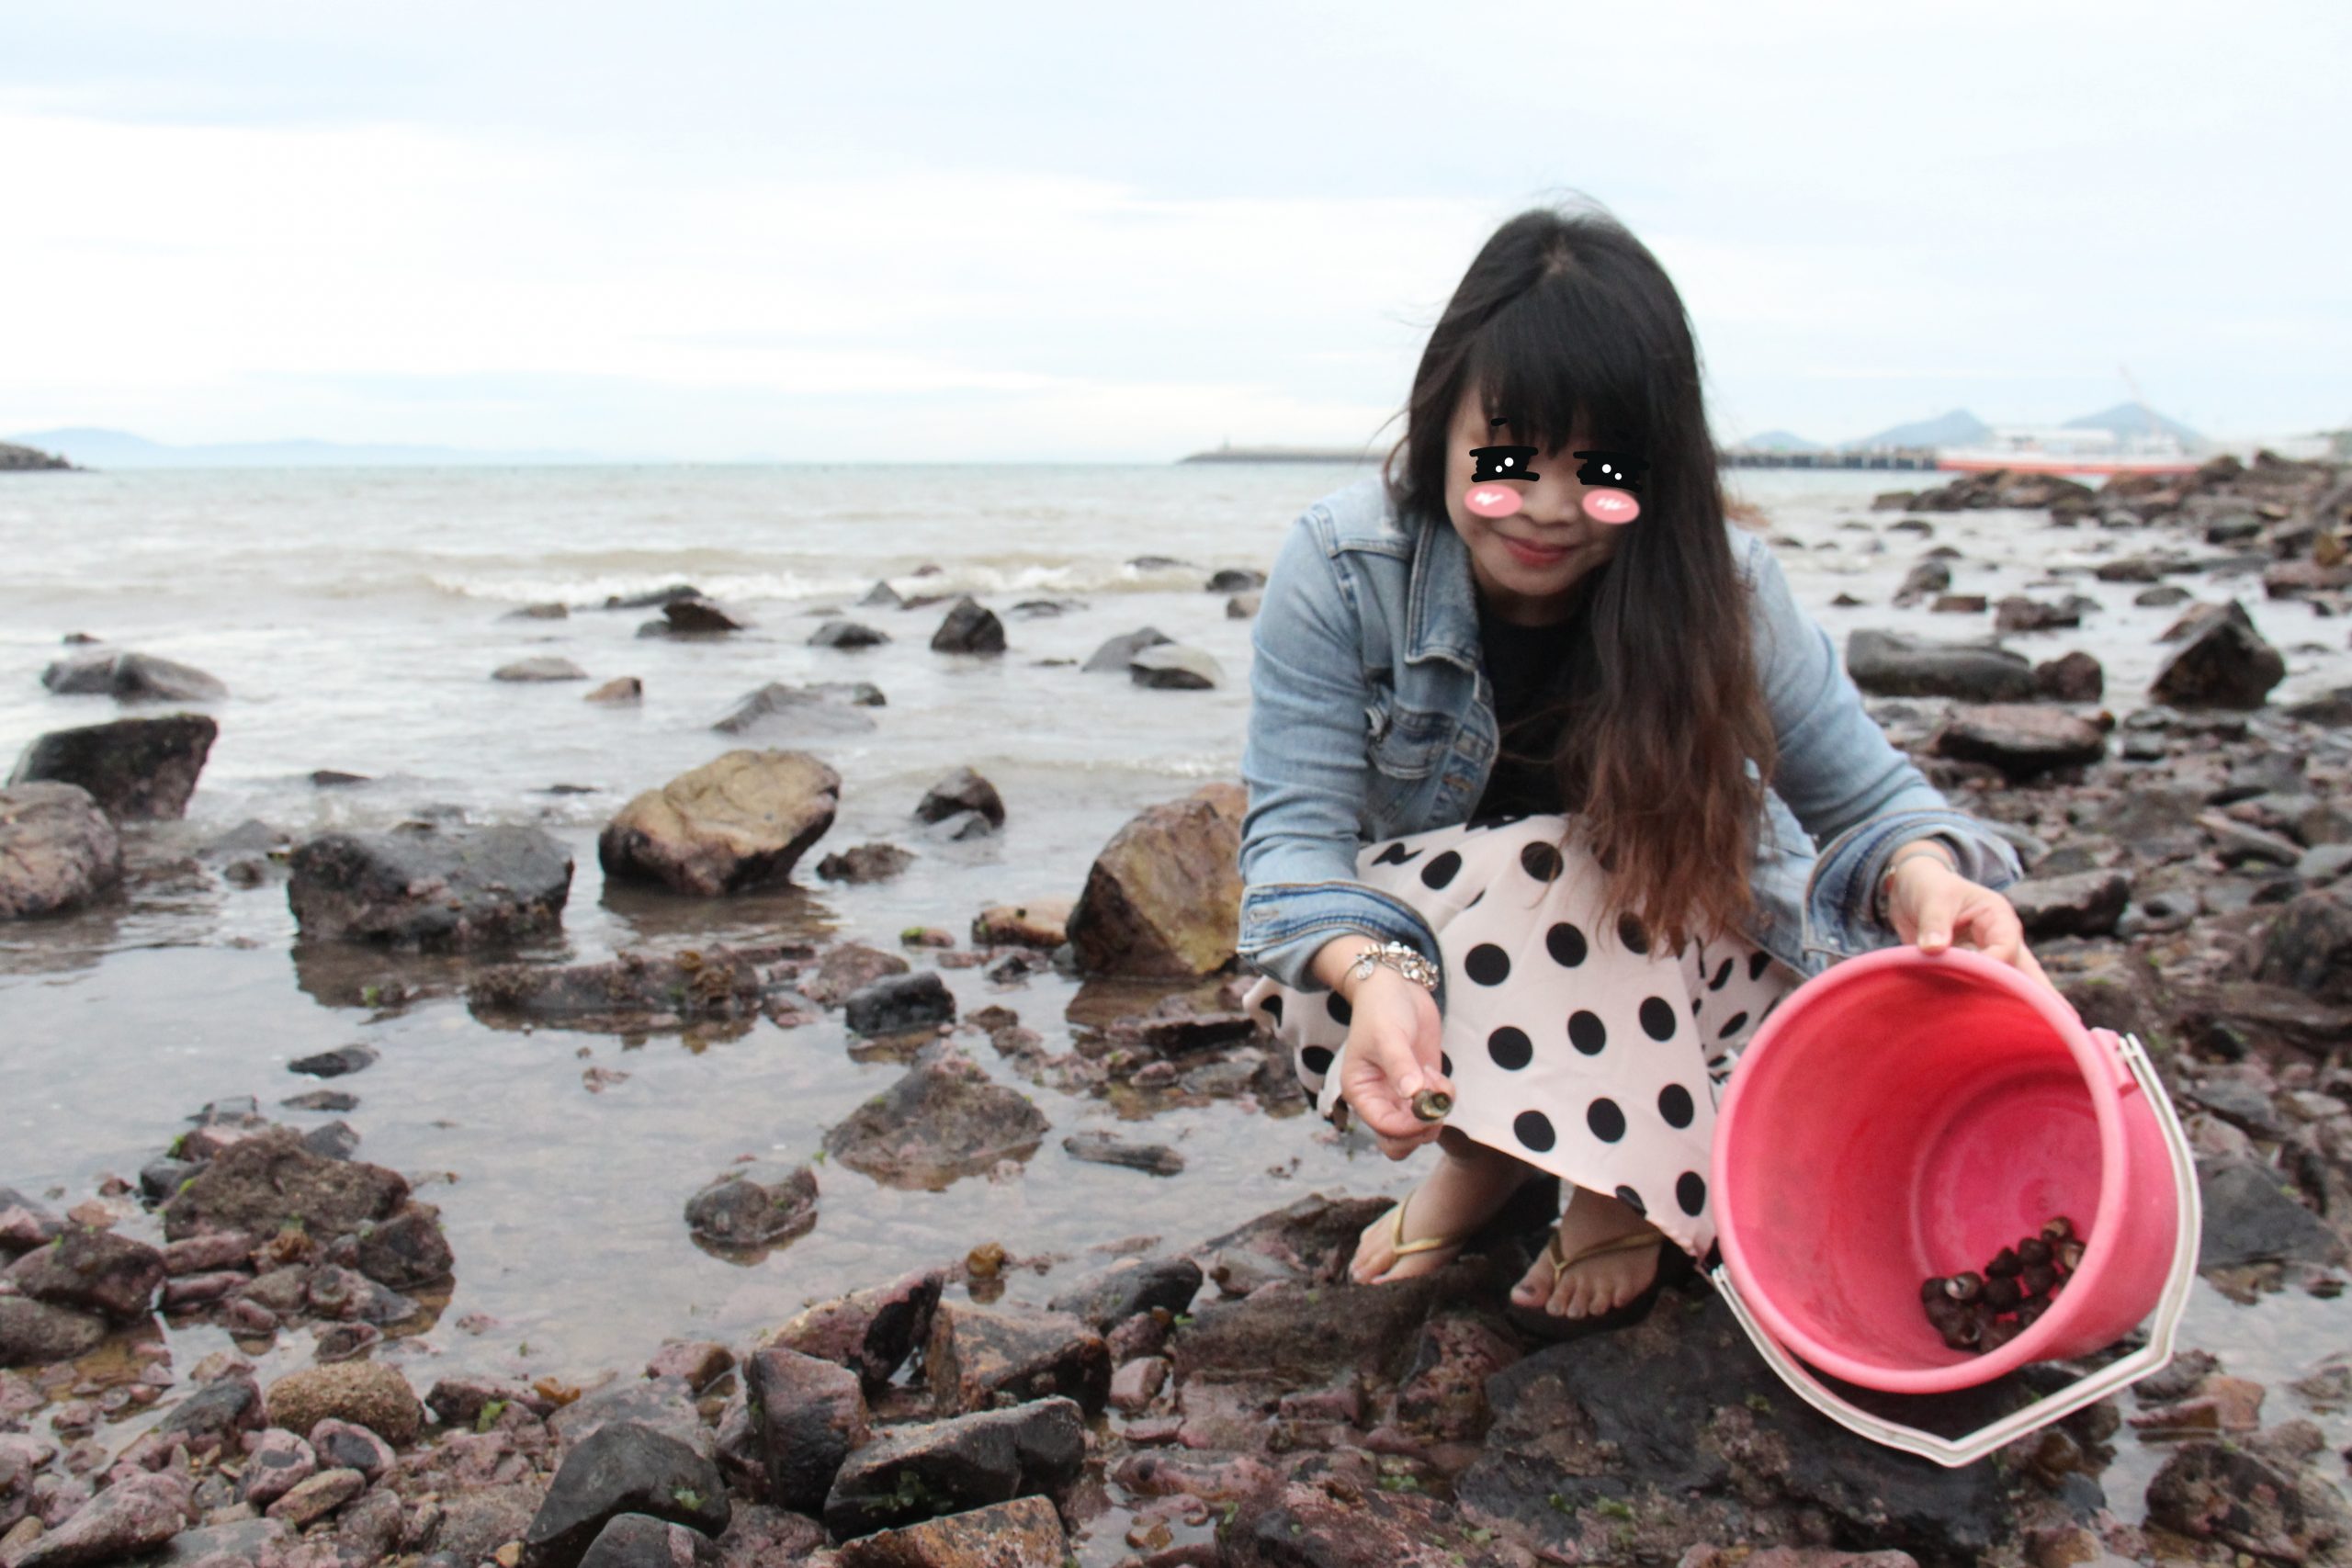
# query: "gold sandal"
{"type": "Point", "coordinates": [1403, 1248]}
{"type": "Point", "coordinates": [1627, 1243]}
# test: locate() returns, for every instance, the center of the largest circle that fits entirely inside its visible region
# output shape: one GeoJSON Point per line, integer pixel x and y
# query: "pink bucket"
{"type": "Point", "coordinates": [1905, 1114]}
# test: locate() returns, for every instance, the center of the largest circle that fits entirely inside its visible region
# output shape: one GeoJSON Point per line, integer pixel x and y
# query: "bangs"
{"type": "Point", "coordinates": [1556, 357]}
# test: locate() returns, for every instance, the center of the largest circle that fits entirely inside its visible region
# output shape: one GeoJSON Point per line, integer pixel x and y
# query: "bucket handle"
{"type": "Point", "coordinates": [2093, 1386]}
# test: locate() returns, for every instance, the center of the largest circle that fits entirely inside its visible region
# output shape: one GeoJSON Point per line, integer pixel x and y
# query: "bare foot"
{"type": "Point", "coordinates": [1470, 1183]}
{"type": "Point", "coordinates": [1595, 1284]}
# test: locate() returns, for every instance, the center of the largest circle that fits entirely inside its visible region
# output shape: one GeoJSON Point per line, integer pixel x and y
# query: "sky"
{"type": "Point", "coordinates": [1046, 233]}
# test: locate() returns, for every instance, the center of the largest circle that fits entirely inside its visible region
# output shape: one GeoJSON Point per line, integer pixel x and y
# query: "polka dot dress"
{"type": "Point", "coordinates": [1583, 1051]}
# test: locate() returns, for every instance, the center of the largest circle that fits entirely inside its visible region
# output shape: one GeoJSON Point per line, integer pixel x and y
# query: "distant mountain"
{"type": "Point", "coordinates": [1781, 441]}
{"type": "Point", "coordinates": [1958, 428]}
{"type": "Point", "coordinates": [2130, 419]}
{"type": "Point", "coordinates": [91, 448]}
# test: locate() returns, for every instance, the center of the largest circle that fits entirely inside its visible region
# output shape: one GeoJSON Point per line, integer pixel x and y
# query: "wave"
{"type": "Point", "coordinates": [735, 580]}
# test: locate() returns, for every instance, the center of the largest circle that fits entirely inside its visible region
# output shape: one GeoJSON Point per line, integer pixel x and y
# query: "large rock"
{"type": "Point", "coordinates": [623, 1468]}
{"type": "Point", "coordinates": [969, 628]}
{"type": "Point", "coordinates": [1024, 1533]}
{"type": "Point", "coordinates": [33, 1334]}
{"type": "Point", "coordinates": [431, 889]}
{"type": "Point", "coordinates": [135, 1515]}
{"type": "Point", "coordinates": [1172, 667]}
{"type": "Point", "coordinates": [753, 1207]}
{"type": "Point", "coordinates": [808, 1415]}
{"type": "Point", "coordinates": [136, 769]}
{"type": "Point", "coordinates": [1887, 665]}
{"type": "Point", "coordinates": [2309, 947]}
{"type": "Point", "coordinates": [2253, 1499]}
{"type": "Point", "coordinates": [2022, 740]}
{"type": "Point", "coordinates": [364, 1394]}
{"type": "Point", "coordinates": [1113, 656]}
{"type": "Point", "coordinates": [1998, 486]}
{"type": "Point", "coordinates": [1040, 922]}
{"type": "Point", "coordinates": [131, 678]}
{"type": "Point", "coordinates": [92, 1270]}
{"type": "Point", "coordinates": [916, 1472]}
{"type": "Point", "coordinates": [641, 1541]}
{"type": "Point", "coordinates": [704, 984]}
{"type": "Point", "coordinates": [959, 792]}
{"type": "Point", "coordinates": [1108, 1296]}
{"type": "Point", "coordinates": [873, 1331]}
{"type": "Point", "coordinates": [2249, 1219]}
{"type": "Point", "coordinates": [735, 824]}
{"type": "Point", "coordinates": [979, 1355]}
{"type": "Point", "coordinates": [2225, 664]}
{"type": "Point", "coordinates": [1163, 899]}
{"type": "Point", "coordinates": [846, 633]}
{"type": "Point", "coordinates": [58, 850]}
{"type": "Point", "coordinates": [262, 1183]}
{"type": "Point", "coordinates": [897, 1004]}
{"type": "Point", "coordinates": [406, 1252]}
{"type": "Point", "coordinates": [945, 1119]}
{"type": "Point", "coordinates": [866, 863]}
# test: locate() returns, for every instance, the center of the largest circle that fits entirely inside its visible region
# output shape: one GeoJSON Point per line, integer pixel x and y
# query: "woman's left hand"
{"type": "Point", "coordinates": [1934, 906]}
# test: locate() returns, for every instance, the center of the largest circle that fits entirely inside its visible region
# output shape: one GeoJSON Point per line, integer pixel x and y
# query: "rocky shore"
{"type": "Point", "coordinates": [1190, 1399]}
{"type": "Point", "coordinates": [28, 459]}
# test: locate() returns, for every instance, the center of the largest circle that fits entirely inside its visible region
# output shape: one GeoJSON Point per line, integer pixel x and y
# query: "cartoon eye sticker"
{"type": "Point", "coordinates": [1487, 497]}
{"type": "Point", "coordinates": [1610, 478]}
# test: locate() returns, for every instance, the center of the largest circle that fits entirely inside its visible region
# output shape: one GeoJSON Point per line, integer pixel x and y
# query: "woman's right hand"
{"type": "Point", "coordinates": [1392, 1055]}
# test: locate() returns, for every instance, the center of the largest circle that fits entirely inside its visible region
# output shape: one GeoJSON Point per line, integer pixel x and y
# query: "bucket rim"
{"type": "Point", "coordinates": [2103, 1072]}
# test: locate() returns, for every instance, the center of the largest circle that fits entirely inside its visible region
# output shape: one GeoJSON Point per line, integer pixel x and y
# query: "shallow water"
{"type": "Point", "coordinates": [355, 619]}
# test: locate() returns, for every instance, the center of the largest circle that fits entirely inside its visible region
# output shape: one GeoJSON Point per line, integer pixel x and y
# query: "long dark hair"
{"type": "Point", "coordinates": [1566, 323]}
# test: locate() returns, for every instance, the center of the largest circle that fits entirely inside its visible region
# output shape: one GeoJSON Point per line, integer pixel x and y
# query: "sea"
{"type": "Point", "coordinates": [355, 617]}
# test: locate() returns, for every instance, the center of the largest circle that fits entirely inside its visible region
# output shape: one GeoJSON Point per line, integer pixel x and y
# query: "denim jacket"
{"type": "Point", "coordinates": [1372, 717]}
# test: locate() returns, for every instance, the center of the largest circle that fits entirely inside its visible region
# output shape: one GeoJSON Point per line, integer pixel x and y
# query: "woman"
{"type": "Point", "coordinates": [1539, 749]}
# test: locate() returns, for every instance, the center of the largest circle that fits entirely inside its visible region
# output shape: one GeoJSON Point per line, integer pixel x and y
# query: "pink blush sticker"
{"type": "Point", "coordinates": [1492, 501]}
{"type": "Point", "coordinates": [1610, 506]}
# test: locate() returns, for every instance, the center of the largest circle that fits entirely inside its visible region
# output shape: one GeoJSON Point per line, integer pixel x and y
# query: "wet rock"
{"type": "Point", "coordinates": [866, 863]}
{"type": "Point", "coordinates": [916, 1472]}
{"type": "Point", "coordinates": [334, 1064]}
{"type": "Point", "coordinates": [622, 689]}
{"type": "Point", "coordinates": [871, 1332]}
{"type": "Point", "coordinates": [1024, 1533]}
{"type": "Point", "coordinates": [2074, 677]}
{"type": "Point", "coordinates": [335, 1140]}
{"type": "Point", "coordinates": [475, 1523]}
{"type": "Point", "coordinates": [623, 1468]}
{"type": "Point", "coordinates": [2252, 1502]}
{"type": "Point", "coordinates": [900, 1003]}
{"type": "Point", "coordinates": [1236, 579]}
{"type": "Point", "coordinates": [366, 1394]}
{"type": "Point", "coordinates": [265, 1183]}
{"type": "Point", "coordinates": [752, 1207]}
{"type": "Point", "coordinates": [662, 1404]}
{"type": "Point", "coordinates": [1172, 667]}
{"type": "Point", "coordinates": [2250, 1218]}
{"type": "Point", "coordinates": [2021, 740]}
{"type": "Point", "coordinates": [882, 596]}
{"type": "Point", "coordinates": [1041, 923]}
{"type": "Point", "coordinates": [961, 791]}
{"type": "Point", "coordinates": [278, 1463]}
{"type": "Point", "coordinates": [795, 711]}
{"type": "Point", "coordinates": [214, 1416]}
{"type": "Point", "coordinates": [977, 1355]}
{"type": "Point", "coordinates": [961, 828]}
{"type": "Point", "coordinates": [135, 1515]}
{"type": "Point", "coordinates": [204, 1254]}
{"type": "Point", "coordinates": [2309, 947]}
{"type": "Point", "coordinates": [808, 1415]}
{"type": "Point", "coordinates": [1113, 656]}
{"type": "Point", "coordinates": [1443, 1394]}
{"type": "Point", "coordinates": [846, 633]}
{"type": "Point", "coordinates": [407, 1251]}
{"type": "Point", "coordinates": [945, 1119]}
{"type": "Point", "coordinates": [2083, 904]}
{"type": "Point", "coordinates": [1110, 1296]}
{"type": "Point", "coordinates": [131, 678]}
{"type": "Point", "coordinates": [343, 1445]}
{"type": "Point", "coordinates": [1887, 665]}
{"type": "Point", "coordinates": [1163, 898]}
{"type": "Point", "coordinates": [1924, 579]}
{"type": "Point", "coordinates": [700, 1362]}
{"type": "Point", "coordinates": [735, 824]}
{"type": "Point", "coordinates": [370, 1529]}
{"type": "Point", "coordinates": [544, 668]}
{"type": "Point", "coordinates": [57, 851]}
{"type": "Point", "coordinates": [352, 1297]}
{"type": "Point", "coordinates": [428, 888]}
{"type": "Point", "coordinates": [136, 769]}
{"type": "Point", "coordinates": [308, 1501]}
{"type": "Point", "coordinates": [1244, 606]}
{"type": "Point", "coordinates": [969, 628]}
{"type": "Point", "coordinates": [1332, 1521]}
{"type": "Point", "coordinates": [33, 1334]}
{"type": "Point", "coordinates": [459, 1402]}
{"type": "Point", "coordinates": [1109, 1148]}
{"type": "Point", "coordinates": [92, 1270]}
{"type": "Point", "coordinates": [641, 1541]}
{"type": "Point", "coordinates": [696, 984]}
{"type": "Point", "coordinates": [2225, 664]}
{"type": "Point", "coordinates": [764, 1537]}
{"type": "Point", "coordinates": [850, 968]}
{"type": "Point", "coordinates": [2017, 613]}
{"type": "Point", "coordinates": [24, 1223]}
{"type": "Point", "coordinates": [691, 615]}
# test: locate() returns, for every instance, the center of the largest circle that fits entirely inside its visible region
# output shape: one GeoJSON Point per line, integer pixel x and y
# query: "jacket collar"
{"type": "Point", "coordinates": [1441, 605]}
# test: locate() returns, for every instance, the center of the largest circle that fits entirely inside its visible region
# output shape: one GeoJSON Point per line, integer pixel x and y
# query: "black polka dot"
{"type": "Point", "coordinates": [1630, 932]}
{"type": "Point", "coordinates": [1533, 1129]}
{"type": "Point", "coordinates": [1757, 962]}
{"type": "Point", "coordinates": [1273, 1006]}
{"type": "Point", "coordinates": [1731, 1026]}
{"type": "Point", "coordinates": [1674, 1103]}
{"type": "Point", "coordinates": [1694, 1006]}
{"type": "Point", "coordinates": [1441, 870]}
{"type": "Point", "coordinates": [1657, 1017]}
{"type": "Point", "coordinates": [1396, 855]}
{"type": "Point", "coordinates": [1608, 1123]}
{"type": "Point", "coordinates": [1540, 862]}
{"type": "Point", "coordinates": [1721, 976]}
{"type": "Point", "coordinates": [1511, 1048]}
{"type": "Point", "coordinates": [1316, 1059]}
{"type": "Point", "coordinates": [1690, 1191]}
{"type": "Point", "coordinates": [1587, 1032]}
{"type": "Point", "coordinates": [1567, 945]}
{"type": "Point", "coordinates": [1486, 964]}
{"type": "Point", "coordinates": [1633, 1199]}
{"type": "Point", "coordinates": [1444, 1064]}
{"type": "Point", "coordinates": [1337, 1006]}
